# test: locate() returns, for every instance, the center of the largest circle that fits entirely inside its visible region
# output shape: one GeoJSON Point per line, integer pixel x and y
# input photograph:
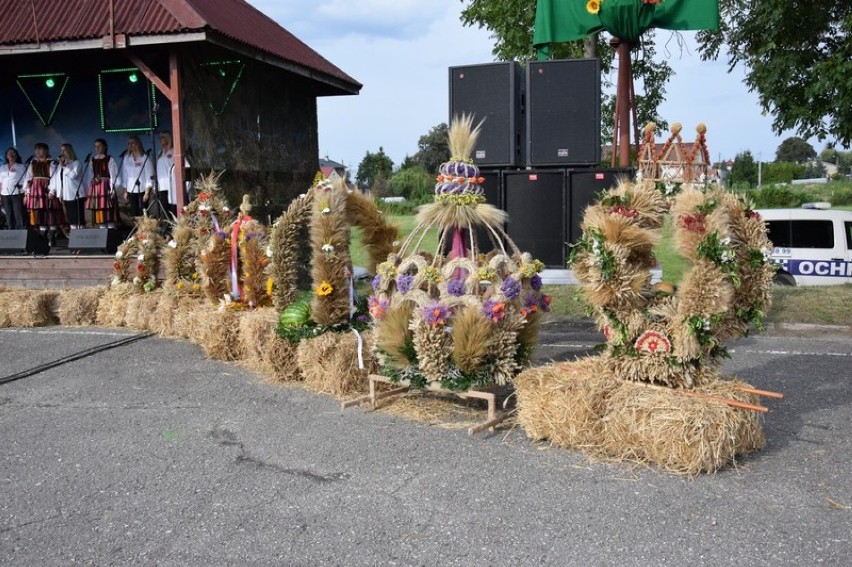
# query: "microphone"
{"type": "Point", "coordinates": [89, 157]}
{"type": "Point", "coordinates": [122, 154]}
{"type": "Point", "coordinates": [56, 162]}
{"type": "Point", "coordinates": [29, 159]}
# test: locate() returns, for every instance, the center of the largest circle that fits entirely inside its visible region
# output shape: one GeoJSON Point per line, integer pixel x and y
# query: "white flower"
{"type": "Point", "coordinates": [269, 251]}
{"type": "Point", "coordinates": [327, 248]}
{"type": "Point", "coordinates": [302, 195]}
{"type": "Point", "coordinates": [766, 253]}
{"type": "Point", "coordinates": [116, 280]}
{"type": "Point", "coordinates": [395, 243]}
{"type": "Point", "coordinates": [326, 211]}
{"type": "Point", "coordinates": [670, 188]}
{"type": "Point", "coordinates": [706, 325]}
{"type": "Point", "coordinates": [702, 179]}
{"type": "Point", "coordinates": [145, 242]}
{"type": "Point", "coordinates": [225, 210]}
{"type": "Point", "coordinates": [119, 255]}
{"type": "Point", "coordinates": [639, 175]}
{"type": "Point", "coordinates": [725, 241]}
{"type": "Point", "coordinates": [727, 256]}
{"type": "Point", "coordinates": [136, 280]}
{"type": "Point", "coordinates": [172, 244]}
{"type": "Point", "coordinates": [140, 257]}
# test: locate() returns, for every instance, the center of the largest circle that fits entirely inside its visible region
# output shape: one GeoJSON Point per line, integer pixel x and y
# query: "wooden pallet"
{"type": "Point", "coordinates": [403, 386]}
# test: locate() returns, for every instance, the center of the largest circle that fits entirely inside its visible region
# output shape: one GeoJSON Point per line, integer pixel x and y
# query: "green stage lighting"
{"type": "Point", "coordinates": [50, 83]}
{"type": "Point", "coordinates": [133, 77]}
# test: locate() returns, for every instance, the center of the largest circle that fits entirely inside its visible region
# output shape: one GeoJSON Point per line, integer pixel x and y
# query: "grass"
{"type": "Point", "coordinates": [831, 305]}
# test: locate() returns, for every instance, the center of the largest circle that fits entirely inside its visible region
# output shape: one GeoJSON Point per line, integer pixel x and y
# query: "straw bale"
{"type": "Point", "coordinates": [112, 307]}
{"type": "Point", "coordinates": [329, 363]}
{"type": "Point", "coordinates": [581, 408]}
{"type": "Point", "coordinates": [184, 323]}
{"type": "Point", "coordinates": [9, 304]}
{"type": "Point", "coordinates": [161, 319]}
{"type": "Point", "coordinates": [280, 361]}
{"type": "Point", "coordinates": [216, 331]}
{"type": "Point", "coordinates": [256, 328]}
{"type": "Point", "coordinates": [34, 309]}
{"type": "Point", "coordinates": [140, 308]}
{"type": "Point", "coordinates": [79, 307]}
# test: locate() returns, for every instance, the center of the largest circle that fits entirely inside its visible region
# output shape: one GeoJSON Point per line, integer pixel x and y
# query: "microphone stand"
{"type": "Point", "coordinates": [77, 192]}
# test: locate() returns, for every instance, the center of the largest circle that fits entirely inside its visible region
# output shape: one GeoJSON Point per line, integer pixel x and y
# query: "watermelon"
{"type": "Point", "coordinates": [296, 314]}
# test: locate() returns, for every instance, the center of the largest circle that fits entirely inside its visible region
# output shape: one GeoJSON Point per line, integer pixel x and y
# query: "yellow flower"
{"type": "Point", "coordinates": [593, 6]}
{"type": "Point", "coordinates": [324, 289]}
{"type": "Point", "coordinates": [269, 285]}
{"type": "Point", "coordinates": [196, 286]}
{"type": "Point", "coordinates": [179, 285]}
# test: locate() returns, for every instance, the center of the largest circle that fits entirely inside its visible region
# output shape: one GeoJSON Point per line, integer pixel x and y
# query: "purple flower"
{"type": "Point", "coordinates": [456, 287]}
{"type": "Point", "coordinates": [403, 282]}
{"type": "Point", "coordinates": [511, 288]}
{"type": "Point", "coordinates": [496, 311]}
{"type": "Point", "coordinates": [544, 303]}
{"type": "Point", "coordinates": [535, 282]}
{"type": "Point", "coordinates": [377, 281]}
{"type": "Point", "coordinates": [531, 301]}
{"type": "Point", "coordinates": [436, 314]}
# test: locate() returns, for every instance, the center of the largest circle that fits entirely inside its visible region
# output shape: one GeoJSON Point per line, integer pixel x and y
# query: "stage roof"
{"type": "Point", "coordinates": [46, 25]}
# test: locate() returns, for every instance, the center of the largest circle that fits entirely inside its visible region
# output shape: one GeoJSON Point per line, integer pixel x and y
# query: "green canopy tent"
{"type": "Point", "coordinates": [559, 21]}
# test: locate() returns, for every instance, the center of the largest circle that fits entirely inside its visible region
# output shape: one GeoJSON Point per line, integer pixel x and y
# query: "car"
{"type": "Point", "coordinates": [812, 245]}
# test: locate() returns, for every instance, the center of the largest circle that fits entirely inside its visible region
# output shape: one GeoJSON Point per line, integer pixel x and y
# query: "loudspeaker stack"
{"type": "Point", "coordinates": [540, 146]}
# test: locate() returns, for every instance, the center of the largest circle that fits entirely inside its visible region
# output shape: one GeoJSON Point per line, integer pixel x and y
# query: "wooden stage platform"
{"type": "Point", "coordinates": [58, 270]}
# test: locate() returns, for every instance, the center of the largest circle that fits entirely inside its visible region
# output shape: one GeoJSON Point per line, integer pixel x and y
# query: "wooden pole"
{"type": "Point", "coordinates": [177, 129]}
{"type": "Point", "coordinates": [625, 78]}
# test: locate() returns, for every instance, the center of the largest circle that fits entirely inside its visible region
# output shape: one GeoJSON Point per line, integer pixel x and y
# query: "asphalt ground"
{"type": "Point", "coordinates": [149, 453]}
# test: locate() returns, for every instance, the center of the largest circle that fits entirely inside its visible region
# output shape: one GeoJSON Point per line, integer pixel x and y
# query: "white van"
{"type": "Point", "coordinates": [812, 245]}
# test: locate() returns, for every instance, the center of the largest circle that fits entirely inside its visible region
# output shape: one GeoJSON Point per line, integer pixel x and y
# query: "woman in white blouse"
{"type": "Point", "coordinates": [12, 177]}
{"type": "Point", "coordinates": [136, 177]}
{"type": "Point", "coordinates": [70, 187]}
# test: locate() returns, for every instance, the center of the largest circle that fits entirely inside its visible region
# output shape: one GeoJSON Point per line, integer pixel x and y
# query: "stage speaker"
{"type": "Point", "coordinates": [493, 92]}
{"type": "Point", "coordinates": [584, 185]}
{"type": "Point", "coordinates": [563, 112]}
{"type": "Point", "coordinates": [535, 202]}
{"type": "Point", "coordinates": [493, 192]}
{"type": "Point", "coordinates": [29, 241]}
{"type": "Point", "coordinates": [94, 240]}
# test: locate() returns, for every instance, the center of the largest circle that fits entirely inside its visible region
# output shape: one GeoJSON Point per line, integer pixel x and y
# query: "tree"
{"type": "Point", "coordinates": [511, 25]}
{"type": "Point", "coordinates": [433, 148]}
{"type": "Point", "coordinates": [798, 58]}
{"type": "Point", "coordinates": [413, 183]}
{"type": "Point", "coordinates": [795, 150]}
{"type": "Point", "coordinates": [744, 170]}
{"type": "Point", "coordinates": [374, 167]}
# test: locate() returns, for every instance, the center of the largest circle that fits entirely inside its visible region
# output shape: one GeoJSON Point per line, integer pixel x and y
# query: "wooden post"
{"type": "Point", "coordinates": [623, 92]}
{"type": "Point", "coordinates": [177, 129]}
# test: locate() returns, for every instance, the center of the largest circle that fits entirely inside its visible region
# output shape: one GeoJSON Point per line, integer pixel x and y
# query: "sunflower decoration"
{"type": "Point", "coordinates": [457, 316]}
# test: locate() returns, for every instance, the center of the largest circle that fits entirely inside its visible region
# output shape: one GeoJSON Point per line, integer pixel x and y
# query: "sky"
{"type": "Point", "coordinates": [400, 50]}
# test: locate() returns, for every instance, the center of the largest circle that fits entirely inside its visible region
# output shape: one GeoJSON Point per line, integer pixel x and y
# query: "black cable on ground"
{"type": "Point", "coordinates": [75, 356]}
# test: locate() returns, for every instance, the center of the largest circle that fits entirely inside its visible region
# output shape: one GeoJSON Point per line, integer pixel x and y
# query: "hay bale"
{"type": "Point", "coordinates": [9, 302]}
{"type": "Point", "coordinates": [79, 307]}
{"type": "Point", "coordinates": [161, 320]}
{"type": "Point", "coordinates": [684, 435]}
{"type": "Point", "coordinates": [140, 308]}
{"type": "Point", "coordinates": [34, 309]}
{"type": "Point", "coordinates": [580, 408]}
{"type": "Point", "coordinates": [257, 327]}
{"type": "Point", "coordinates": [280, 362]}
{"type": "Point", "coordinates": [112, 308]}
{"type": "Point", "coordinates": [184, 323]}
{"type": "Point", "coordinates": [329, 363]}
{"type": "Point", "coordinates": [217, 332]}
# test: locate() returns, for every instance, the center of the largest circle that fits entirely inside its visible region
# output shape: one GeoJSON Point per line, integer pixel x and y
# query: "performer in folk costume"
{"type": "Point", "coordinates": [166, 174]}
{"type": "Point", "coordinates": [101, 199]}
{"type": "Point", "coordinates": [12, 174]}
{"type": "Point", "coordinates": [137, 173]}
{"type": "Point", "coordinates": [70, 187]}
{"type": "Point", "coordinates": [45, 209]}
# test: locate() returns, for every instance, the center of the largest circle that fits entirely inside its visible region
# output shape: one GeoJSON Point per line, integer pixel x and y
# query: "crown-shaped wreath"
{"type": "Point", "coordinates": [675, 162]}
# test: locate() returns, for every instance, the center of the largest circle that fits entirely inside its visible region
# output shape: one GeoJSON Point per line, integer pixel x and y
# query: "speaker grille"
{"type": "Point", "coordinates": [491, 92]}
{"type": "Point", "coordinates": [583, 186]}
{"type": "Point", "coordinates": [535, 202]}
{"type": "Point", "coordinates": [563, 112]}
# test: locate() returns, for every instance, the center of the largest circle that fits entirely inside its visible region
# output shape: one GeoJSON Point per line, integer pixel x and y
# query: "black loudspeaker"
{"type": "Point", "coordinates": [94, 240]}
{"type": "Point", "coordinates": [584, 185]}
{"type": "Point", "coordinates": [492, 92]}
{"type": "Point", "coordinates": [535, 202]}
{"type": "Point", "coordinates": [29, 241]}
{"type": "Point", "coordinates": [493, 191]}
{"type": "Point", "coordinates": [563, 112]}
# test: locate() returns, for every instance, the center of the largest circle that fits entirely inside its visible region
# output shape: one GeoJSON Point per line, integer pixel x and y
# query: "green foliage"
{"type": "Point", "coordinates": [797, 57]}
{"type": "Point", "coordinates": [782, 172]}
{"type": "Point", "coordinates": [744, 170]}
{"type": "Point", "coordinates": [778, 197]}
{"type": "Point", "coordinates": [413, 183]}
{"type": "Point", "coordinates": [795, 150]}
{"type": "Point", "coordinates": [433, 149]}
{"type": "Point", "coordinates": [374, 170]}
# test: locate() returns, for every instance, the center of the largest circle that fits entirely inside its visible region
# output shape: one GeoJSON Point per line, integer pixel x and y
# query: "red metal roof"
{"type": "Point", "coordinates": [46, 21]}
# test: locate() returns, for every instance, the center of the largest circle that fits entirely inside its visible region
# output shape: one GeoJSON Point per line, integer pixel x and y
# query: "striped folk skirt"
{"type": "Point", "coordinates": [44, 210]}
{"type": "Point", "coordinates": [102, 202]}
